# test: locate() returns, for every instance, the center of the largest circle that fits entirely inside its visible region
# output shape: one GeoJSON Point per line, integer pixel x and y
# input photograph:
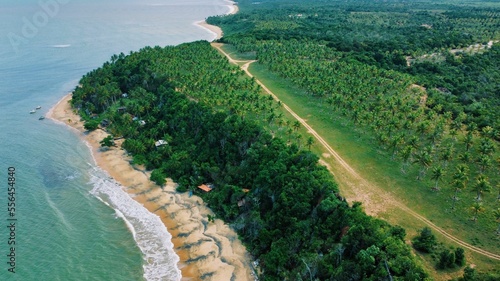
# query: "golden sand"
{"type": "Point", "coordinates": [210, 249]}
{"type": "Point", "coordinates": [215, 29]}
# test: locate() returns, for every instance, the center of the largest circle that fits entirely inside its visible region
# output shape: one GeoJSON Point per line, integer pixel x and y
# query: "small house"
{"type": "Point", "coordinates": [124, 95]}
{"type": "Point", "coordinates": [160, 143]}
{"type": "Point", "coordinates": [242, 202]}
{"type": "Point", "coordinates": [142, 122]}
{"type": "Point", "coordinates": [122, 109]}
{"type": "Point", "coordinates": [105, 123]}
{"type": "Point", "coordinates": [206, 187]}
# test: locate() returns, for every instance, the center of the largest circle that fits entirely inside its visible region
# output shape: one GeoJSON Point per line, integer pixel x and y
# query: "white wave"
{"type": "Point", "coordinates": [230, 6]}
{"type": "Point", "coordinates": [127, 222]}
{"type": "Point", "coordinates": [231, 9]}
{"type": "Point", "coordinates": [150, 234]}
{"type": "Point", "coordinates": [200, 25]}
{"type": "Point", "coordinates": [57, 212]}
{"type": "Point", "coordinates": [72, 176]}
{"type": "Point", "coordinates": [61, 46]}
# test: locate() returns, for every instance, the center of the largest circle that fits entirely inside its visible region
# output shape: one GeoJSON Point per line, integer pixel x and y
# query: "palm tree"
{"type": "Point", "coordinates": [472, 128]}
{"type": "Point", "coordinates": [496, 213]}
{"type": "Point", "coordinates": [396, 141]}
{"type": "Point", "coordinates": [453, 134]}
{"type": "Point", "coordinates": [310, 142]}
{"type": "Point", "coordinates": [482, 185]}
{"type": "Point", "coordinates": [484, 162]}
{"type": "Point", "coordinates": [406, 155]}
{"type": "Point", "coordinates": [299, 137]}
{"type": "Point", "coordinates": [465, 157]}
{"type": "Point", "coordinates": [423, 127]}
{"type": "Point", "coordinates": [447, 155]}
{"type": "Point", "coordinates": [296, 125]}
{"type": "Point", "coordinates": [498, 188]}
{"type": "Point", "coordinates": [413, 142]}
{"type": "Point", "coordinates": [487, 147]}
{"type": "Point", "coordinates": [162, 126]}
{"type": "Point", "coordinates": [469, 141]}
{"type": "Point", "coordinates": [460, 179]}
{"type": "Point", "coordinates": [423, 158]}
{"type": "Point", "coordinates": [476, 208]}
{"type": "Point", "coordinates": [457, 124]}
{"type": "Point", "coordinates": [271, 118]}
{"type": "Point", "coordinates": [437, 174]}
{"type": "Point", "coordinates": [488, 131]}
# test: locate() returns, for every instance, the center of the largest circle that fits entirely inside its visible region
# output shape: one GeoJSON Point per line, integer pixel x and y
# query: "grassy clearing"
{"type": "Point", "coordinates": [376, 167]}
{"type": "Point", "coordinates": [231, 50]}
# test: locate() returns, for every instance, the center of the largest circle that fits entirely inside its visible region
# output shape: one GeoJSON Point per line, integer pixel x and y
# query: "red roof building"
{"type": "Point", "coordinates": [206, 188]}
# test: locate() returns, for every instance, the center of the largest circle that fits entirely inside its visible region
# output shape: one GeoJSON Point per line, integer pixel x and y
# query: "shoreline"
{"type": "Point", "coordinates": [215, 30]}
{"type": "Point", "coordinates": [209, 250]}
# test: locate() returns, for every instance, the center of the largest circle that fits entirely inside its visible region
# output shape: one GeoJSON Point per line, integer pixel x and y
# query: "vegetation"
{"type": "Point", "coordinates": [401, 77]}
{"type": "Point", "coordinates": [398, 76]}
{"type": "Point", "coordinates": [91, 125]}
{"type": "Point", "coordinates": [218, 128]}
{"type": "Point", "coordinates": [107, 141]}
{"type": "Point", "coordinates": [470, 274]}
{"type": "Point", "coordinates": [426, 241]}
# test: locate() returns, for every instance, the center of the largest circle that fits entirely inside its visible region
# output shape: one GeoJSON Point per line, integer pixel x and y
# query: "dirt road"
{"type": "Point", "coordinates": [363, 185]}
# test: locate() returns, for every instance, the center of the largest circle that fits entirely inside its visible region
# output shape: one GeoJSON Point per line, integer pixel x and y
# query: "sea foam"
{"type": "Point", "coordinates": [61, 46]}
{"type": "Point", "coordinates": [150, 234]}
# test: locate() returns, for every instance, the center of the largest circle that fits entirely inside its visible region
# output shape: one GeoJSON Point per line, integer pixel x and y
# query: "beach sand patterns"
{"type": "Point", "coordinates": [209, 251]}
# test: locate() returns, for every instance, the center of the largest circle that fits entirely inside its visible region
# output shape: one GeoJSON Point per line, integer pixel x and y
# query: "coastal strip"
{"type": "Point", "coordinates": [215, 30]}
{"type": "Point", "coordinates": [207, 250]}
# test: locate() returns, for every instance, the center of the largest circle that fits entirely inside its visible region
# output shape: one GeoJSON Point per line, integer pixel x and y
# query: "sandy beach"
{"type": "Point", "coordinates": [207, 250]}
{"type": "Point", "coordinates": [217, 31]}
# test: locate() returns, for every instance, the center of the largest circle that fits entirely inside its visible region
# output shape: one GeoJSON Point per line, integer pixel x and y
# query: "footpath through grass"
{"type": "Point", "coordinates": [376, 166]}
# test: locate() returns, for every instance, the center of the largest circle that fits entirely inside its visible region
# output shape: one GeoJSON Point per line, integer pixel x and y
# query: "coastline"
{"type": "Point", "coordinates": [215, 30]}
{"type": "Point", "coordinates": [209, 251]}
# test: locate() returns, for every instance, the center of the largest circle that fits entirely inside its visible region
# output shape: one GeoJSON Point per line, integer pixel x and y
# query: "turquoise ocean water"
{"type": "Point", "coordinates": [71, 221]}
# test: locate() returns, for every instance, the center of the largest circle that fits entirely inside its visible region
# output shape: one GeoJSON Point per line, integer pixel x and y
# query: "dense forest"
{"type": "Point", "coordinates": [217, 128]}
{"type": "Point", "coordinates": [417, 80]}
{"type": "Point", "coordinates": [400, 73]}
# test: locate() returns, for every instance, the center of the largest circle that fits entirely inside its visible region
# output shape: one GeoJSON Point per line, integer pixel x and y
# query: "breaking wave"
{"type": "Point", "coordinates": [149, 232]}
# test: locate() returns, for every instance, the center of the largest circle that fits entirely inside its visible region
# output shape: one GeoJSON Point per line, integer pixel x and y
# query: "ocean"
{"type": "Point", "coordinates": [62, 217]}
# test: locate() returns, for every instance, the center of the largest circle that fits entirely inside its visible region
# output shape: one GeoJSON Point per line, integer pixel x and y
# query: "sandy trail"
{"type": "Point", "coordinates": [361, 189]}
{"type": "Point", "coordinates": [207, 251]}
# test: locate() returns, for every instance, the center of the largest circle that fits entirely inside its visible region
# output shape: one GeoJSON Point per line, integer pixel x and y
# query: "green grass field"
{"type": "Point", "coordinates": [231, 50]}
{"type": "Point", "coordinates": [376, 166]}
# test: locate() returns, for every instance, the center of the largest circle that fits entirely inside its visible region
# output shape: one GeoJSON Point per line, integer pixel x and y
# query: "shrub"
{"type": "Point", "coordinates": [107, 141]}
{"type": "Point", "coordinates": [446, 259]}
{"type": "Point", "coordinates": [91, 125]}
{"type": "Point", "coordinates": [425, 242]}
{"type": "Point", "coordinates": [158, 177]}
{"type": "Point", "coordinates": [459, 257]}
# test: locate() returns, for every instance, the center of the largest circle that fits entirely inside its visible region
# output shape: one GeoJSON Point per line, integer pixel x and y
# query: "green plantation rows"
{"type": "Point", "coordinates": [396, 114]}
{"type": "Point", "coordinates": [389, 35]}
